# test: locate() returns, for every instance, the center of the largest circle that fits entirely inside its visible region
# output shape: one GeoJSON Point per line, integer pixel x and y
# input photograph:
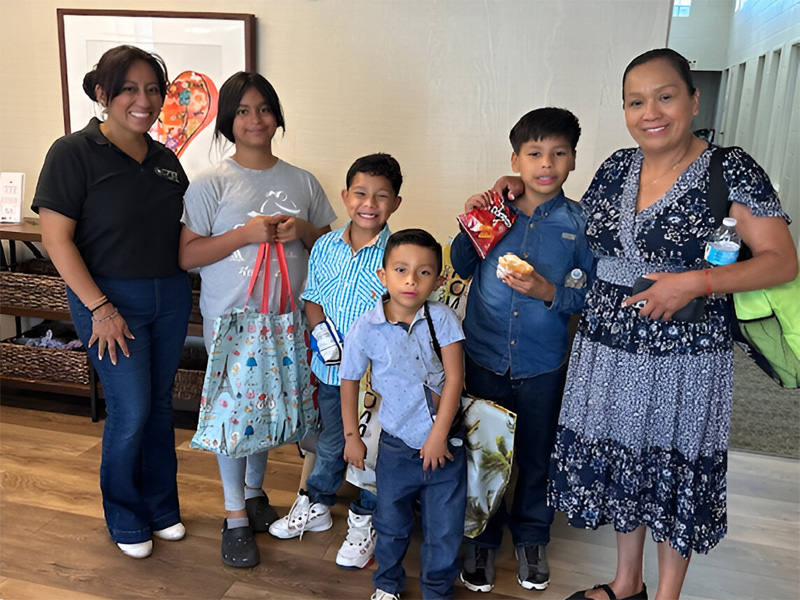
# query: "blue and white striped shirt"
{"type": "Point", "coordinates": [344, 284]}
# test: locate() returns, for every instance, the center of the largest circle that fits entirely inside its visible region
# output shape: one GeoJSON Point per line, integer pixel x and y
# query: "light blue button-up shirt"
{"type": "Point", "coordinates": [509, 331]}
{"type": "Point", "coordinates": [344, 283]}
{"type": "Point", "coordinates": [404, 363]}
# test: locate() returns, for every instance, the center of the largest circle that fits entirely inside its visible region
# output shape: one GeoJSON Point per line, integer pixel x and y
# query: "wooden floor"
{"type": "Point", "coordinates": [54, 544]}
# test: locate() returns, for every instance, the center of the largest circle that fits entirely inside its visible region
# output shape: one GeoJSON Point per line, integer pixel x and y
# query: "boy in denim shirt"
{"type": "Point", "coordinates": [343, 284]}
{"type": "Point", "coordinates": [415, 351]}
{"type": "Point", "coordinates": [516, 332]}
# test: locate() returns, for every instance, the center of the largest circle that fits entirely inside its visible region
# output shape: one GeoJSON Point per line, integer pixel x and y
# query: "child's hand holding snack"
{"type": "Point", "coordinates": [509, 263]}
{"type": "Point", "coordinates": [520, 276]}
{"type": "Point", "coordinates": [486, 221]}
{"type": "Point", "coordinates": [482, 200]}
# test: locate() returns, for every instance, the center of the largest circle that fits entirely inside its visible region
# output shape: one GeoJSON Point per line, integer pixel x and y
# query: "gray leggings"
{"type": "Point", "coordinates": [236, 473]}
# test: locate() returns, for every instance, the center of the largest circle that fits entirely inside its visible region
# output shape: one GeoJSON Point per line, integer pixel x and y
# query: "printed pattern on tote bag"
{"type": "Point", "coordinates": [257, 392]}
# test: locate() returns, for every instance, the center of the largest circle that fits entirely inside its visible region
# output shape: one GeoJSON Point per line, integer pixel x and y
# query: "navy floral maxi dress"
{"type": "Point", "coordinates": [643, 431]}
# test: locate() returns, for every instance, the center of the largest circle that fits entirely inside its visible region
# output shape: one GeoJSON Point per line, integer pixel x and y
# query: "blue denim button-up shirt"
{"type": "Point", "coordinates": [508, 331]}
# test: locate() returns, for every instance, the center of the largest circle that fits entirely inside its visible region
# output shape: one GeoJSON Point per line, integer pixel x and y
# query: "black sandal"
{"type": "Point", "coordinates": [260, 513]}
{"type": "Point", "coordinates": [239, 547]}
{"type": "Point", "coordinates": [611, 595]}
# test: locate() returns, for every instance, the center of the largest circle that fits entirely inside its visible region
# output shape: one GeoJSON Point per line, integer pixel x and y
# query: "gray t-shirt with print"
{"type": "Point", "coordinates": [226, 197]}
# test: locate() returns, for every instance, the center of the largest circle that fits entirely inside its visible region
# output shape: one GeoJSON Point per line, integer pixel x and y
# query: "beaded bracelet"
{"type": "Point", "coordinates": [108, 318]}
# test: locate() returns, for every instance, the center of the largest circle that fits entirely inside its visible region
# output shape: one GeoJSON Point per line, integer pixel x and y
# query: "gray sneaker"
{"type": "Point", "coordinates": [477, 570]}
{"type": "Point", "coordinates": [534, 573]}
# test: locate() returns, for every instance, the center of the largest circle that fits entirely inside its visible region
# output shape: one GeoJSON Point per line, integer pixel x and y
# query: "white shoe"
{"type": "Point", "coordinates": [381, 595]}
{"type": "Point", "coordinates": [303, 516]}
{"type": "Point", "coordinates": [173, 533]}
{"type": "Point", "coordinates": [140, 550]}
{"type": "Point", "coordinates": [356, 551]}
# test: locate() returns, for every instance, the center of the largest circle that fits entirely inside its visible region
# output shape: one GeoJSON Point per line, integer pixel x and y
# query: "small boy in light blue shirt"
{"type": "Point", "coordinates": [415, 350]}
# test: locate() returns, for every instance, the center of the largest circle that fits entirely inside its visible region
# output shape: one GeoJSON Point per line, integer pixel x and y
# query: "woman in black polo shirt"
{"type": "Point", "coordinates": [110, 201]}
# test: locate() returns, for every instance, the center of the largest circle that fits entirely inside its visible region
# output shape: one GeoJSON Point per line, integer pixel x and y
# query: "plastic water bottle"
{"type": "Point", "coordinates": [575, 279]}
{"type": "Point", "coordinates": [723, 247]}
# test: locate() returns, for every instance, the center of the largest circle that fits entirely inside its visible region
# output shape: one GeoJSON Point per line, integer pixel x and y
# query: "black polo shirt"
{"type": "Point", "coordinates": [128, 215]}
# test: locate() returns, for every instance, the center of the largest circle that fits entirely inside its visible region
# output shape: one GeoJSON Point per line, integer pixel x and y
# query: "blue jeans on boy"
{"type": "Point", "coordinates": [537, 402]}
{"type": "Point", "coordinates": [139, 467]}
{"type": "Point", "coordinates": [330, 466]}
{"type": "Point", "coordinates": [443, 498]}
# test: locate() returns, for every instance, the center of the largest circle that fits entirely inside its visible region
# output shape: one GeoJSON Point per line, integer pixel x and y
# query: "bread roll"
{"type": "Point", "coordinates": [512, 262]}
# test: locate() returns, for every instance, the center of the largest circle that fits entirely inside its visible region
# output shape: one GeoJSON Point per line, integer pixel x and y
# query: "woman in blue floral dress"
{"type": "Point", "coordinates": [644, 424]}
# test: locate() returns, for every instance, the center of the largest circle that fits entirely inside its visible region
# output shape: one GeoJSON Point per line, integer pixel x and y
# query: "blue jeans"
{"type": "Point", "coordinates": [443, 498]}
{"type": "Point", "coordinates": [139, 466]}
{"type": "Point", "coordinates": [329, 467]}
{"type": "Point", "coordinates": [537, 402]}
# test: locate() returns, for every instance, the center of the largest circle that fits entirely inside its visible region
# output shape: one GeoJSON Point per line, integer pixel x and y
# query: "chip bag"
{"type": "Point", "coordinates": [486, 226]}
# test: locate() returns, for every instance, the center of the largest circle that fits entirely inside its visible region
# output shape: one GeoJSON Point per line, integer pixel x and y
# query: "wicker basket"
{"type": "Point", "coordinates": [188, 384]}
{"type": "Point", "coordinates": [191, 373]}
{"type": "Point", "coordinates": [35, 285]}
{"type": "Point", "coordinates": [44, 364]}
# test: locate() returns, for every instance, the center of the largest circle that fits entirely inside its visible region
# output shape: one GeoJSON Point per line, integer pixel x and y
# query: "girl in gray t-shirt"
{"type": "Point", "coordinates": [247, 199]}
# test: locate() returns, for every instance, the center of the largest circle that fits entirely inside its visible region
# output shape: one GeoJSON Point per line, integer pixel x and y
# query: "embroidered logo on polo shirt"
{"type": "Point", "coordinates": [568, 236]}
{"type": "Point", "coordinates": [167, 174]}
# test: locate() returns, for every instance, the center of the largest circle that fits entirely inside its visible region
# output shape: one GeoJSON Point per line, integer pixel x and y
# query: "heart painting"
{"type": "Point", "coordinates": [190, 107]}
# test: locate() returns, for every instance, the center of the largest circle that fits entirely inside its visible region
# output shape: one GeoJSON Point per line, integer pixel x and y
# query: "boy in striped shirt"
{"type": "Point", "coordinates": [342, 285]}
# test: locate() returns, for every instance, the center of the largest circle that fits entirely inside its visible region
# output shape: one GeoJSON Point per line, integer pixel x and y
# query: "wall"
{"type": "Point", "coordinates": [762, 25]}
{"type": "Point", "coordinates": [762, 97]}
{"type": "Point", "coordinates": [437, 84]}
{"type": "Point", "coordinates": [702, 37]}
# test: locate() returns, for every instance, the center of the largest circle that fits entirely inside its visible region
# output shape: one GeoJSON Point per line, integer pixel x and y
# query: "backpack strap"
{"type": "Point", "coordinates": [434, 340]}
{"type": "Point", "coordinates": [718, 197]}
{"type": "Point", "coordinates": [457, 426]}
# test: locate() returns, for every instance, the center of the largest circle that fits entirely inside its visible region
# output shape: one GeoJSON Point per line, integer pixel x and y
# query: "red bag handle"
{"type": "Point", "coordinates": [262, 257]}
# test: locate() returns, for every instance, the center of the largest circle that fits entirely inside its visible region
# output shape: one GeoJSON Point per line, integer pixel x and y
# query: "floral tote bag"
{"type": "Point", "coordinates": [257, 391]}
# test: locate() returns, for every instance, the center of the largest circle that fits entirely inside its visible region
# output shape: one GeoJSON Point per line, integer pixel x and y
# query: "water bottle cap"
{"type": "Point", "coordinates": [576, 273]}
{"type": "Point", "coordinates": [729, 222]}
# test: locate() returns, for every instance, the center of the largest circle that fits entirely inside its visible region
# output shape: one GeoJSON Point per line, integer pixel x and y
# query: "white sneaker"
{"type": "Point", "coordinates": [381, 595]}
{"type": "Point", "coordinates": [303, 516]}
{"type": "Point", "coordinates": [173, 533]}
{"type": "Point", "coordinates": [140, 550]}
{"type": "Point", "coordinates": [356, 551]}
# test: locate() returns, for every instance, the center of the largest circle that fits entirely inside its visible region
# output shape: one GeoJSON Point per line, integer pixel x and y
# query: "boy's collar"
{"type": "Point", "coordinates": [545, 207]}
{"type": "Point", "coordinates": [379, 240]}
{"type": "Point", "coordinates": [378, 315]}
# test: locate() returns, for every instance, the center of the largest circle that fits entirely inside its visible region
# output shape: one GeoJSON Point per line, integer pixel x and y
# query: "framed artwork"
{"type": "Point", "coordinates": [201, 50]}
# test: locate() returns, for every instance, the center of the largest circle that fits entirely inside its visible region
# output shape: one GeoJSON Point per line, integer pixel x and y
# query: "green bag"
{"type": "Point", "coordinates": [767, 324]}
{"type": "Point", "coordinates": [769, 321]}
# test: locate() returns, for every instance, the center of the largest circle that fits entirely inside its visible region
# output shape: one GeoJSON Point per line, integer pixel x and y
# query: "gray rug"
{"type": "Point", "coordinates": [766, 417]}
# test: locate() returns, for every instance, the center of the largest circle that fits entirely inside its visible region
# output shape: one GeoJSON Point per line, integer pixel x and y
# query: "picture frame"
{"type": "Point", "coordinates": [201, 50]}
